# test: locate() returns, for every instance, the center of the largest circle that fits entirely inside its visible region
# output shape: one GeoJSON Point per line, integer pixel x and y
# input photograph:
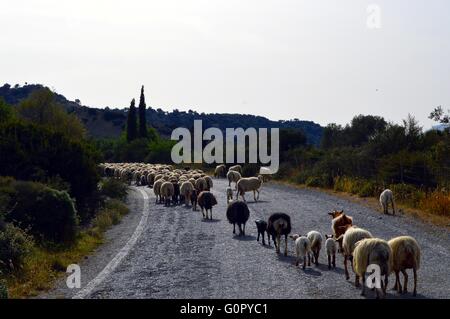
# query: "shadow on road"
{"type": "Point", "coordinates": [244, 238]}
{"type": "Point", "coordinates": [214, 220]}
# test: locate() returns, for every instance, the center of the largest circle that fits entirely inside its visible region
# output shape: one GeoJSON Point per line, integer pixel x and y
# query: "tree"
{"type": "Point", "coordinates": [42, 109]}
{"type": "Point", "coordinates": [142, 117]}
{"type": "Point", "coordinates": [439, 116]}
{"type": "Point", "coordinates": [131, 122]}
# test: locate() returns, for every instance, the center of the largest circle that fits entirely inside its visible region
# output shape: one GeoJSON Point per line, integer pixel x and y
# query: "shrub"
{"type": "Point", "coordinates": [250, 170]}
{"type": "Point", "coordinates": [368, 189]}
{"type": "Point", "coordinates": [437, 202]}
{"type": "Point", "coordinates": [103, 220]}
{"type": "Point", "coordinates": [114, 188]}
{"type": "Point", "coordinates": [313, 181]}
{"type": "Point", "coordinates": [15, 245]}
{"type": "Point", "coordinates": [3, 290]}
{"type": "Point", "coordinates": [114, 204]}
{"type": "Point", "coordinates": [49, 214]}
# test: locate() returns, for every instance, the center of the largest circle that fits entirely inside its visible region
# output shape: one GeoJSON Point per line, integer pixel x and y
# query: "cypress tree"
{"type": "Point", "coordinates": [142, 117]}
{"type": "Point", "coordinates": [132, 122]}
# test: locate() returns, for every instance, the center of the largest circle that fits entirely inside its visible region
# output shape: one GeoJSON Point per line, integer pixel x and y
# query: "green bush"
{"type": "Point", "coordinates": [368, 189]}
{"type": "Point", "coordinates": [103, 220]}
{"type": "Point", "coordinates": [49, 214]}
{"type": "Point", "coordinates": [113, 188]}
{"type": "Point", "coordinates": [313, 181]}
{"type": "Point", "coordinates": [114, 204]}
{"type": "Point", "coordinates": [15, 245]}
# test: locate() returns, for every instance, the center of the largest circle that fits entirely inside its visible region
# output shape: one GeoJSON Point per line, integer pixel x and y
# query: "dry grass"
{"type": "Point", "coordinates": [43, 266]}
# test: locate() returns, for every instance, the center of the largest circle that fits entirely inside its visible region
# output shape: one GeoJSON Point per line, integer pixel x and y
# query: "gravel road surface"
{"type": "Point", "coordinates": [180, 255]}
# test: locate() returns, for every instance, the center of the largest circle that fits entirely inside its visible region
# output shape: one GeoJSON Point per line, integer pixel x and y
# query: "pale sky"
{"type": "Point", "coordinates": [314, 60]}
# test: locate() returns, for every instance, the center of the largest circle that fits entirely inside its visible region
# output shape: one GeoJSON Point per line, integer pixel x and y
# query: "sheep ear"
{"type": "Point", "coordinates": [331, 214]}
{"type": "Point", "coordinates": [342, 211]}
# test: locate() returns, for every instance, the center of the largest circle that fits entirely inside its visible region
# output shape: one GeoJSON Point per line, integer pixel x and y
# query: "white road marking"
{"type": "Point", "coordinates": [112, 265]}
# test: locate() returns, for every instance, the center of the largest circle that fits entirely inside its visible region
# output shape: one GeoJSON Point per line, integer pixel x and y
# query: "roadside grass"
{"type": "Point", "coordinates": [432, 207]}
{"type": "Point", "coordinates": [44, 265]}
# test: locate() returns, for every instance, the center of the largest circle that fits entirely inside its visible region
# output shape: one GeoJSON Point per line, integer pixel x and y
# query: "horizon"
{"type": "Point", "coordinates": [316, 61]}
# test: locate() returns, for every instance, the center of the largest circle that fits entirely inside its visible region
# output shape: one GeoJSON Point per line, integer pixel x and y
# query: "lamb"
{"type": "Point", "coordinates": [200, 184]}
{"type": "Point", "coordinates": [236, 168]}
{"type": "Point", "coordinates": [194, 198]}
{"type": "Point", "coordinates": [209, 182]}
{"type": "Point", "coordinates": [330, 245]}
{"type": "Point", "coordinates": [157, 189]}
{"type": "Point", "coordinates": [206, 201]}
{"type": "Point", "coordinates": [261, 226]}
{"type": "Point", "coordinates": [167, 192]}
{"type": "Point", "coordinates": [248, 184]}
{"type": "Point", "coordinates": [315, 239]}
{"type": "Point", "coordinates": [405, 255]}
{"type": "Point", "coordinates": [371, 251]}
{"type": "Point", "coordinates": [347, 243]}
{"type": "Point", "coordinates": [220, 171]}
{"type": "Point", "coordinates": [229, 195]}
{"type": "Point", "coordinates": [238, 213]}
{"type": "Point", "coordinates": [302, 249]}
{"type": "Point", "coordinates": [186, 190]}
{"type": "Point", "coordinates": [387, 197]}
{"type": "Point", "coordinates": [277, 225]}
{"type": "Point", "coordinates": [233, 176]}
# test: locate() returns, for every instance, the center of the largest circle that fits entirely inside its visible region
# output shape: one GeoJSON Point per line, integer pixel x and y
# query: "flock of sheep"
{"type": "Point", "coordinates": [175, 186]}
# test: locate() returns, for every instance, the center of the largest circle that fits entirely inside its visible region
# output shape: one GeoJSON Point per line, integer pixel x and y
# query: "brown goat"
{"type": "Point", "coordinates": [340, 224]}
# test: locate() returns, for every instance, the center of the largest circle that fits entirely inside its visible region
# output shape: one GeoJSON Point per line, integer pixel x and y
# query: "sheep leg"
{"type": "Point", "coordinates": [309, 259]}
{"type": "Point", "coordinates": [240, 229]}
{"type": "Point", "coordinates": [397, 282]}
{"type": "Point", "coordinates": [393, 206]}
{"type": "Point", "coordinates": [317, 258]}
{"type": "Point", "coordinates": [415, 281]}
{"type": "Point", "coordinates": [210, 212]}
{"type": "Point", "coordinates": [386, 281]}
{"type": "Point", "coordinates": [263, 241]}
{"type": "Point", "coordinates": [278, 244]}
{"type": "Point", "coordinates": [244, 230]}
{"type": "Point", "coordinates": [304, 262]}
{"type": "Point", "coordinates": [257, 239]}
{"type": "Point", "coordinates": [285, 245]}
{"type": "Point", "coordinates": [347, 276]}
{"type": "Point", "coordinates": [357, 281]}
{"type": "Point", "coordinates": [254, 195]}
{"type": "Point", "coordinates": [257, 197]}
{"type": "Point", "coordinates": [334, 261]}
{"type": "Point", "coordinates": [234, 228]}
{"type": "Point", "coordinates": [405, 282]}
{"type": "Point", "coordinates": [329, 261]}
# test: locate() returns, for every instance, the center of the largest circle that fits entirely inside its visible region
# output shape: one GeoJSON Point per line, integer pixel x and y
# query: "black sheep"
{"type": "Point", "coordinates": [194, 200]}
{"type": "Point", "coordinates": [261, 225]}
{"type": "Point", "coordinates": [238, 213]}
{"type": "Point", "coordinates": [176, 193]}
{"type": "Point", "coordinates": [277, 225]}
{"type": "Point", "coordinates": [206, 201]}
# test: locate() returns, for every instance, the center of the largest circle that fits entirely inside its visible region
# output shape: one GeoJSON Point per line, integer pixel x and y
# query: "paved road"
{"type": "Point", "coordinates": [179, 255]}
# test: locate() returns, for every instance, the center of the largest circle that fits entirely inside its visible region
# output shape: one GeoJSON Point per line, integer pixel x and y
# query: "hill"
{"type": "Point", "coordinates": [109, 123]}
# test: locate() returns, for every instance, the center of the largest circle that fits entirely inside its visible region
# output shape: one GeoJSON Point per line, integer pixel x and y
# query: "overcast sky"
{"type": "Point", "coordinates": [314, 60]}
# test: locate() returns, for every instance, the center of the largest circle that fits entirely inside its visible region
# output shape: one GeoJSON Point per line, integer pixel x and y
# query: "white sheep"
{"type": "Point", "coordinates": [220, 171]}
{"type": "Point", "coordinates": [405, 255]}
{"type": "Point", "coordinates": [233, 176]}
{"type": "Point", "coordinates": [229, 194]}
{"type": "Point", "coordinates": [248, 184]}
{"type": "Point", "coordinates": [209, 182]}
{"type": "Point", "coordinates": [387, 197]}
{"type": "Point", "coordinates": [157, 189]}
{"type": "Point", "coordinates": [167, 191]}
{"type": "Point", "coordinates": [236, 168]}
{"type": "Point", "coordinates": [201, 184]}
{"type": "Point", "coordinates": [186, 190]}
{"type": "Point", "coordinates": [302, 249]}
{"type": "Point", "coordinates": [372, 251]}
{"type": "Point", "coordinates": [348, 241]}
{"type": "Point", "coordinates": [316, 239]}
{"type": "Point", "coordinates": [330, 246]}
